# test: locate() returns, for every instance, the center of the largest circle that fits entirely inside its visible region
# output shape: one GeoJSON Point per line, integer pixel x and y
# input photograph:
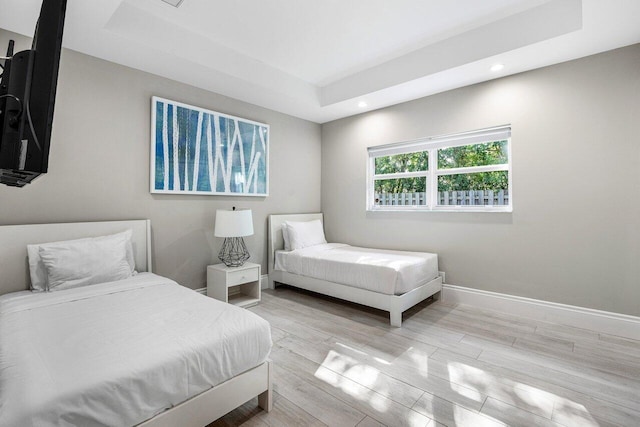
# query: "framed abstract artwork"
{"type": "Point", "coordinates": [198, 151]}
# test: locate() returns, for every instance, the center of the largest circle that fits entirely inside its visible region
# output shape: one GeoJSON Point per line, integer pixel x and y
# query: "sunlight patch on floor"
{"type": "Point", "coordinates": [353, 389]}
{"type": "Point", "coordinates": [460, 374]}
{"type": "Point", "coordinates": [384, 362]}
{"type": "Point", "coordinates": [349, 367]}
{"type": "Point", "coordinates": [523, 396]}
{"type": "Point", "coordinates": [359, 380]}
{"type": "Point", "coordinates": [534, 396]}
{"type": "Point", "coordinates": [363, 374]}
{"type": "Point", "coordinates": [353, 350]}
{"type": "Point", "coordinates": [420, 361]}
{"type": "Point", "coordinates": [573, 414]}
{"type": "Point", "coordinates": [464, 417]}
{"type": "Point", "coordinates": [449, 413]}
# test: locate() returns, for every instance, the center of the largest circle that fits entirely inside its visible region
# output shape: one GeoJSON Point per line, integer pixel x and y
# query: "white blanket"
{"type": "Point", "coordinates": [118, 353]}
{"type": "Point", "coordinates": [385, 271]}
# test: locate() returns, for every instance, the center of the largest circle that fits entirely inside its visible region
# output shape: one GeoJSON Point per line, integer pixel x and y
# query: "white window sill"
{"type": "Point", "coordinates": [501, 209]}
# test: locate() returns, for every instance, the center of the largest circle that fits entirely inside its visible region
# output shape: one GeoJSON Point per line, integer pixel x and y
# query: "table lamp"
{"type": "Point", "coordinates": [233, 226]}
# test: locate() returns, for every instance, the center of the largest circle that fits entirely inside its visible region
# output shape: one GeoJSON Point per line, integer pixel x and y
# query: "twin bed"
{"type": "Point", "coordinates": [392, 281]}
{"type": "Point", "coordinates": [138, 351]}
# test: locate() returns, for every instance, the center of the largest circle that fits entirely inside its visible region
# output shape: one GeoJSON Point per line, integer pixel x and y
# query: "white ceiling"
{"type": "Point", "coordinates": [319, 59]}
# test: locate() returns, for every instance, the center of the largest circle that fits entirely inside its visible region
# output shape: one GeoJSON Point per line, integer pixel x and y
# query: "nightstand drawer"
{"type": "Point", "coordinates": [242, 276]}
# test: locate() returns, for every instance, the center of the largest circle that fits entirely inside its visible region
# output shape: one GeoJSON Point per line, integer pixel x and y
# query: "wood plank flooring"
{"type": "Point", "coordinates": [341, 364]}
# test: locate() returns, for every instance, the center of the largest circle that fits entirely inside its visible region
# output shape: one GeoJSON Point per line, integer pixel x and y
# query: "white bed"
{"type": "Point", "coordinates": [388, 280]}
{"type": "Point", "coordinates": [140, 350]}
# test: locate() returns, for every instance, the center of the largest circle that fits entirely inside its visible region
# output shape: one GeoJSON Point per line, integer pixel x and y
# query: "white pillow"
{"type": "Point", "coordinates": [285, 237]}
{"type": "Point", "coordinates": [305, 234]}
{"type": "Point", "coordinates": [38, 271]}
{"type": "Point", "coordinates": [85, 262]}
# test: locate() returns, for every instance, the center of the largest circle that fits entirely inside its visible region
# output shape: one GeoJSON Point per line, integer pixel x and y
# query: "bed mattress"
{"type": "Point", "coordinates": [118, 353]}
{"type": "Point", "coordinates": [384, 271]}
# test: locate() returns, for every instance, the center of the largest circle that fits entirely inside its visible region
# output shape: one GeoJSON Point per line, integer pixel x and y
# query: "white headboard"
{"type": "Point", "coordinates": [276, 241]}
{"type": "Point", "coordinates": [14, 269]}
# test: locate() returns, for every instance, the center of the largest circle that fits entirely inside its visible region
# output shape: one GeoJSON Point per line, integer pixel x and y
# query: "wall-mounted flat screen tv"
{"type": "Point", "coordinates": [27, 98]}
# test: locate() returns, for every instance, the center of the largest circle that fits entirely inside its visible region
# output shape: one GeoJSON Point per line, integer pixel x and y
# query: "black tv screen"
{"type": "Point", "coordinates": [27, 99]}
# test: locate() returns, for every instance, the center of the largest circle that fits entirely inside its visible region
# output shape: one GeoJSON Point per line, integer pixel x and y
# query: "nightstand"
{"type": "Point", "coordinates": [236, 285]}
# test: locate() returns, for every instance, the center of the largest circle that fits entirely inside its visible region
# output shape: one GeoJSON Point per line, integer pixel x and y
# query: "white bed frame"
{"type": "Point", "coordinates": [198, 411]}
{"type": "Point", "coordinates": [394, 304]}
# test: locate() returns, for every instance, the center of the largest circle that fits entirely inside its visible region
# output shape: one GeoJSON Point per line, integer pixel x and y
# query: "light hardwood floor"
{"type": "Point", "coordinates": [340, 364]}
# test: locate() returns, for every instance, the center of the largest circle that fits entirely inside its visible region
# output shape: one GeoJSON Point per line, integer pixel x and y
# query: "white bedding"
{"type": "Point", "coordinates": [118, 353]}
{"type": "Point", "coordinates": [384, 271]}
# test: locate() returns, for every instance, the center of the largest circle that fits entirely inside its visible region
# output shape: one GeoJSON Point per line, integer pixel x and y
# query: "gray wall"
{"type": "Point", "coordinates": [574, 234]}
{"type": "Point", "coordinates": [99, 165]}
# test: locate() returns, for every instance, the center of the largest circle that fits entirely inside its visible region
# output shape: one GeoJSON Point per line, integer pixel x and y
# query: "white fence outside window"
{"type": "Point", "coordinates": [446, 198]}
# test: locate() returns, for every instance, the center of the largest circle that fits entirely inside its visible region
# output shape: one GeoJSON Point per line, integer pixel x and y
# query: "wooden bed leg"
{"type": "Point", "coordinates": [265, 399]}
{"type": "Point", "coordinates": [437, 296]}
{"type": "Point", "coordinates": [271, 284]}
{"type": "Point", "coordinates": [396, 318]}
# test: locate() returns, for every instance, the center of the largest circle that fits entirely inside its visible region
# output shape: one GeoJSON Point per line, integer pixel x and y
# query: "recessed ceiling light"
{"type": "Point", "coordinates": [362, 104]}
{"type": "Point", "coordinates": [497, 67]}
{"type": "Point", "coordinates": [175, 3]}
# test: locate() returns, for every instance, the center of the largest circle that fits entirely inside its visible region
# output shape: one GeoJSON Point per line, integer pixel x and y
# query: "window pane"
{"type": "Point", "coordinates": [406, 162]}
{"type": "Point", "coordinates": [400, 192]}
{"type": "Point", "coordinates": [490, 153]}
{"type": "Point", "coordinates": [474, 189]}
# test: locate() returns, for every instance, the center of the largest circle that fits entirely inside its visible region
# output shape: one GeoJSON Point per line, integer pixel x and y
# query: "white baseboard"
{"type": "Point", "coordinates": [202, 291]}
{"type": "Point", "coordinates": [621, 325]}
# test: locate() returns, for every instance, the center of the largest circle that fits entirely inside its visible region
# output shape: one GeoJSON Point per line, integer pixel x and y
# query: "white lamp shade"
{"type": "Point", "coordinates": [233, 223]}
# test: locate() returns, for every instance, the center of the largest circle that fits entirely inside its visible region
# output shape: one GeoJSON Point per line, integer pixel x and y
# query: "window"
{"type": "Point", "coordinates": [464, 172]}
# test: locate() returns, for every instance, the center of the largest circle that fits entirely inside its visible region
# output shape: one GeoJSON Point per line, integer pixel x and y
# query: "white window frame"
{"type": "Point", "coordinates": [432, 145]}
